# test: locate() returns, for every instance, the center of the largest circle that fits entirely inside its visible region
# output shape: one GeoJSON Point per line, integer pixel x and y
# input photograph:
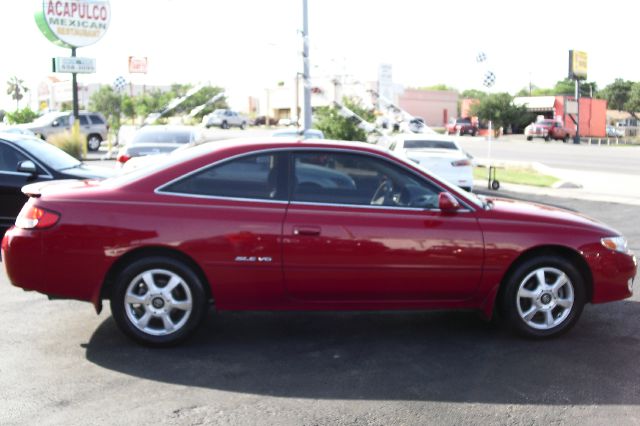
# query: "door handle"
{"type": "Point", "coordinates": [306, 230]}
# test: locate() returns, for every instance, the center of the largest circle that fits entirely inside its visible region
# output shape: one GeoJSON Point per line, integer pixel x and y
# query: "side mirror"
{"type": "Point", "coordinates": [447, 203]}
{"type": "Point", "coordinates": [27, 166]}
{"type": "Point", "coordinates": [55, 123]}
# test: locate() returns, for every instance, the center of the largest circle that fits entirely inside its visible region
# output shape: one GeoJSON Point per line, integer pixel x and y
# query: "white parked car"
{"type": "Point", "coordinates": [438, 154]}
{"type": "Point", "coordinates": [225, 118]}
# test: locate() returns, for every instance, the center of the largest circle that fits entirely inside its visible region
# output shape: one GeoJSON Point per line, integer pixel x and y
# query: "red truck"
{"type": "Point", "coordinates": [547, 129]}
{"type": "Point", "coordinates": [462, 126]}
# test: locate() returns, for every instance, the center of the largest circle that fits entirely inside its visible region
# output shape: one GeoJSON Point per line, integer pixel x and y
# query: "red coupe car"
{"type": "Point", "coordinates": [313, 225]}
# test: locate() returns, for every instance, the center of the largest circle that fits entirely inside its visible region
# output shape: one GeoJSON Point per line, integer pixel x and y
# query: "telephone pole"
{"type": "Point", "coordinates": [305, 62]}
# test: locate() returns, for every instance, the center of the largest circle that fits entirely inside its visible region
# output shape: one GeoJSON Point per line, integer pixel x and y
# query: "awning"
{"type": "Point", "coordinates": [536, 103]}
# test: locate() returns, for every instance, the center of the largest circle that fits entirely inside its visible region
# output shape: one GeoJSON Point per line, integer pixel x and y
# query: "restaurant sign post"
{"type": "Point", "coordinates": [73, 24]}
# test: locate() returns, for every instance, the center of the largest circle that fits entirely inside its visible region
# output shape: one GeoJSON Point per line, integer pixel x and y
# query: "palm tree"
{"type": "Point", "coordinates": [16, 89]}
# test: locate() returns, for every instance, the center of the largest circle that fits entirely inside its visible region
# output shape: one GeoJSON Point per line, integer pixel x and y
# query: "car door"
{"type": "Point", "coordinates": [232, 214]}
{"type": "Point", "coordinates": [11, 182]}
{"type": "Point", "coordinates": [361, 228]}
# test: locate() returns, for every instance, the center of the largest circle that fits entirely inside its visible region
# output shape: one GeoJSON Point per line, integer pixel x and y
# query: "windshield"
{"type": "Point", "coordinates": [429, 145]}
{"type": "Point", "coordinates": [463, 121]}
{"type": "Point", "coordinates": [49, 154]}
{"type": "Point", "coordinates": [162, 135]}
{"type": "Point", "coordinates": [48, 118]}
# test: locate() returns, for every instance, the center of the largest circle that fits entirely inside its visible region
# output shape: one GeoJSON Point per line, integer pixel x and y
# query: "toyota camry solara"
{"type": "Point", "coordinates": [291, 225]}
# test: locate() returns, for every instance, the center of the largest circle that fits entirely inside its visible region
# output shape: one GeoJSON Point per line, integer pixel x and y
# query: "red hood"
{"type": "Point", "coordinates": [505, 209]}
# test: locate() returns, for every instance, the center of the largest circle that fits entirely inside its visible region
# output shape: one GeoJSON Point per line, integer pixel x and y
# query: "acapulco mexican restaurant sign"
{"type": "Point", "coordinates": [74, 23]}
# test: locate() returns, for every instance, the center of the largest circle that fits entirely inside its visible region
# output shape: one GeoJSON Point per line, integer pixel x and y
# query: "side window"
{"type": "Point", "coordinates": [358, 179]}
{"type": "Point", "coordinates": [9, 158]}
{"type": "Point", "coordinates": [84, 121]}
{"type": "Point", "coordinates": [260, 176]}
{"type": "Point", "coordinates": [96, 119]}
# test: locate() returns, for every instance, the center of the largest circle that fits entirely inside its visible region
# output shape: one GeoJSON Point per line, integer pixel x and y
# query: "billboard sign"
{"type": "Point", "coordinates": [73, 23]}
{"type": "Point", "coordinates": [137, 65]}
{"type": "Point", "coordinates": [577, 65]}
{"type": "Point", "coordinates": [74, 65]}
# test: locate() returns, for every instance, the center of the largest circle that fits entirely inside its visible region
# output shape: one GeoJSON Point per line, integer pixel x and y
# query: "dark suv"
{"type": "Point", "coordinates": [92, 124]}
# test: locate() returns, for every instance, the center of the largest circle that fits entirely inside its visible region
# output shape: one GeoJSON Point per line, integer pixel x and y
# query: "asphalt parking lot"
{"type": "Point", "coordinates": [62, 364]}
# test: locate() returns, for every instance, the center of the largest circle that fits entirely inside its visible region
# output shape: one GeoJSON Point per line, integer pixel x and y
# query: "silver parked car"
{"type": "Point", "coordinates": [225, 118]}
{"type": "Point", "coordinates": [158, 139]}
{"type": "Point", "coordinates": [93, 126]}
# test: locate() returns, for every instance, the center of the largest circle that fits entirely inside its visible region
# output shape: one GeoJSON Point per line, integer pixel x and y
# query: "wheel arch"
{"type": "Point", "coordinates": [564, 252]}
{"type": "Point", "coordinates": [141, 252]}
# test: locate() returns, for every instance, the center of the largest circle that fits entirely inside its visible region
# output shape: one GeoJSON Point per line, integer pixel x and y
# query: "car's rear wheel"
{"type": "Point", "coordinates": [543, 297]}
{"type": "Point", "coordinates": [158, 301]}
{"type": "Point", "coordinates": [243, 125]}
{"type": "Point", "coordinates": [93, 142]}
{"type": "Point", "coordinates": [529, 138]}
{"type": "Point", "coordinates": [547, 138]}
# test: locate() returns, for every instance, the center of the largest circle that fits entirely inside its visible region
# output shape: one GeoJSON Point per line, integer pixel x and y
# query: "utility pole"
{"type": "Point", "coordinates": [576, 140]}
{"type": "Point", "coordinates": [305, 62]}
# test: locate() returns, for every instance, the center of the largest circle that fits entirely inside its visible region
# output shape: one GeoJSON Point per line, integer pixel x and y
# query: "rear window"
{"type": "Point", "coordinates": [429, 145]}
{"type": "Point", "coordinates": [163, 136]}
{"type": "Point", "coordinates": [463, 121]}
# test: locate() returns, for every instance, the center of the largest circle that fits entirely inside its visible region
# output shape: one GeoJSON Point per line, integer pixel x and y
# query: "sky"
{"type": "Point", "coordinates": [248, 45]}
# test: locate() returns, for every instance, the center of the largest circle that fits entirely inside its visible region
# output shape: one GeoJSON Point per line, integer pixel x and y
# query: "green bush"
{"type": "Point", "coordinates": [24, 115]}
{"type": "Point", "coordinates": [74, 145]}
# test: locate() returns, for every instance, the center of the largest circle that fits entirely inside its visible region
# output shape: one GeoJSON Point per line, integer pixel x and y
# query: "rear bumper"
{"type": "Point", "coordinates": [33, 264]}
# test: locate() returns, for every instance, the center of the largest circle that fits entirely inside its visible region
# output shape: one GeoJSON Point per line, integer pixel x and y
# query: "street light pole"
{"type": "Point", "coordinates": [305, 62]}
{"type": "Point", "coordinates": [74, 89]}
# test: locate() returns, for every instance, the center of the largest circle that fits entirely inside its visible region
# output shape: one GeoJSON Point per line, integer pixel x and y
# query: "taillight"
{"type": "Point", "coordinates": [32, 217]}
{"type": "Point", "coordinates": [123, 158]}
{"type": "Point", "coordinates": [460, 163]}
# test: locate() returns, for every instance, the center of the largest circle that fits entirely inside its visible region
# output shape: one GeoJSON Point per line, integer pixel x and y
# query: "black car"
{"type": "Point", "coordinates": [26, 159]}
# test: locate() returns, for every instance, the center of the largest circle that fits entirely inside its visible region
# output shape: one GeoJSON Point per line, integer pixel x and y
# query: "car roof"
{"type": "Point", "coordinates": [424, 136]}
{"type": "Point", "coordinates": [16, 138]}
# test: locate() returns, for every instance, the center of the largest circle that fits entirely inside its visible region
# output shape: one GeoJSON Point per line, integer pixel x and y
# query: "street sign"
{"type": "Point", "coordinates": [137, 64]}
{"type": "Point", "coordinates": [74, 65]}
{"type": "Point", "coordinates": [577, 65]}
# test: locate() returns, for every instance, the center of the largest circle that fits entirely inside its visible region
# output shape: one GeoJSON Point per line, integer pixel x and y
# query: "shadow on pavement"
{"type": "Point", "coordinates": [435, 356]}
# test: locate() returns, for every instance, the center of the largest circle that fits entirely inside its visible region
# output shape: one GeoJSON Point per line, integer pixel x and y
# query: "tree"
{"type": "Point", "coordinates": [335, 126]}
{"type": "Point", "coordinates": [16, 89]}
{"type": "Point", "coordinates": [438, 88]}
{"type": "Point", "coordinates": [201, 97]}
{"type": "Point", "coordinates": [24, 115]}
{"type": "Point", "coordinates": [473, 94]}
{"type": "Point", "coordinates": [109, 103]}
{"type": "Point", "coordinates": [617, 94]}
{"type": "Point", "coordinates": [568, 87]}
{"type": "Point", "coordinates": [499, 108]}
{"type": "Point", "coordinates": [633, 103]}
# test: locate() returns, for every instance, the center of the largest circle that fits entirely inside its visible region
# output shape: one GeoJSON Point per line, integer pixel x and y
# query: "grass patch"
{"type": "Point", "coordinates": [72, 144]}
{"type": "Point", "coordinates": [517, 175]}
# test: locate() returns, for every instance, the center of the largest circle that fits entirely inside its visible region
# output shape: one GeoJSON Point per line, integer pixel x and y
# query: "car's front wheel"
{"type": "Point", "coordinates": [158, 301]}
{"type": "Point", "coordinates": [543, 297]}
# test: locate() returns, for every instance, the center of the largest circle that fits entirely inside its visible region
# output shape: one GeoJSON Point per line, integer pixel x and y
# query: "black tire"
{"type": "Point", "coordinates": [243, 125]}
{"type": "Point", "coordinates": [529, 138]}
{"type": "Point", "coordinates": [565, 139]}
{"type": "Point", "coordinates": [224, 125]}
{"type": "Point", "coordinates": [93, 142]}
{"type": "Point", "coordinates": [473, 133]}
{"type": "Point", "coordinates": [161, 269]}
{"type": "Point", "coordinates": [495, 185]}
{"type": "Point", "coordinates": [514, 308]}
{"type": "Point", "coordinates": [547, 138]}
